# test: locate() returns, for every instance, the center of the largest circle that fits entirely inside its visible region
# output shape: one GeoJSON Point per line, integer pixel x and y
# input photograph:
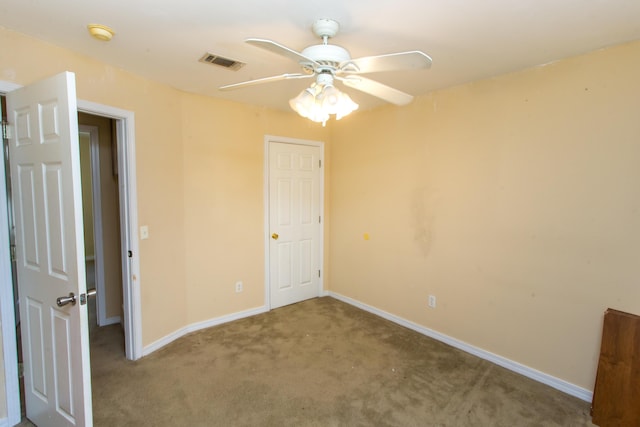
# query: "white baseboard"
{"type": "Point", "coordinates": [156, 345]}
{"type": "Point", "coordinates": [557, 383]}
{"type": "Point", "coordinates": [111, 321]}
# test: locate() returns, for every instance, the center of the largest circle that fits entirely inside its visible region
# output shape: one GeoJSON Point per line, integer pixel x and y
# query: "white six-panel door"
{"type": "Point", "coordinates": [294, 222]}
{"type": "Point", "coordinates": [45, 179]}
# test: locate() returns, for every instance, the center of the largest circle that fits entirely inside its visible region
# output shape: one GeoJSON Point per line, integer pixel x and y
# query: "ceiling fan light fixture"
{"type": "Point", "coordinates": [307, 106]}
{"type": "Point", "coordinates": [328, 62]}
{"type": "Point", "coordinates": [330, 98]}
{"type": "Point", "coordinates": [322, 100]}
{"type": "Point", "coordinates": [303, 103]}
{"type": "Point", "coordinates": [345, 106]}
{"type": "Point", "coordinates": [318, 115]}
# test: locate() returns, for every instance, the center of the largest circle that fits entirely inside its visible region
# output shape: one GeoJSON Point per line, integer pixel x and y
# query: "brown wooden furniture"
{"type": "Point", "coordinates": [616, 396]}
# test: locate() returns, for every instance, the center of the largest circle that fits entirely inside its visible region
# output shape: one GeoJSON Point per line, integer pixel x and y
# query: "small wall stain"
{"type": "Point", "coordinates": [423, 217]}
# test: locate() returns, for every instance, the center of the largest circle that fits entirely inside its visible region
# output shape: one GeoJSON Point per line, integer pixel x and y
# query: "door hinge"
{"type": "Point", "coordinates": [12, 250]}
{"type": "Point", "coordinates": [6, 130]}
{"type": "Point", "coordinates": [319, 163]}
{"type": "Point", "coordinates": [320, 220]}
{"type": "Point", "coordinates": [318, 273]}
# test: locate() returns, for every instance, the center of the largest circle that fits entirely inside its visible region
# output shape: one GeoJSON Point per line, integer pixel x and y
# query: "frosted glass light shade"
{"type": "Point", "coordinates": [319, 101]}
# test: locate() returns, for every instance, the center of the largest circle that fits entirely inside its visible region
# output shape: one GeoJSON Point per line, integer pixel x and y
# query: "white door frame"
{"type": "Point", "coordinates": [7, 308]}
{"type": "Point", "coordinates": [125, 137]}
{"type": "Point", "coordinates": [125, 134]}
{"type": "Point", "coordinates": [268, 139]}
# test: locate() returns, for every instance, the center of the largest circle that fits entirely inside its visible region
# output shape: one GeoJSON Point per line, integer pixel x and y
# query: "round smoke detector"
{"type": "Point", "coordinates": [100, 32]}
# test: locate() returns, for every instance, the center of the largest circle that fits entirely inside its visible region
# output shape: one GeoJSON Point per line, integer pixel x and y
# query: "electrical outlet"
{"type": "Point", "coordinates": [239, 287]}
{"type": "Point", "coordinates": [432, 301]}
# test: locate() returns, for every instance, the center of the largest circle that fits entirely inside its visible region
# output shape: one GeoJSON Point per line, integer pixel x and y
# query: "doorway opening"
{"type": "Point", "coordinates": [128, 317]}
{"type": "Point", "coordinates": [101, 213]}
{"type": "Point", "coordinates": [123, 167]}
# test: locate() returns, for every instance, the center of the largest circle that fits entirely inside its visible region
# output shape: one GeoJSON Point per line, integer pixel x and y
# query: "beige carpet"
{"type": "Point", "coordinates": [316, 363]}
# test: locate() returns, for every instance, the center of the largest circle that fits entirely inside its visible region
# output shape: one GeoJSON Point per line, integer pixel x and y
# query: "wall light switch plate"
{"type": "Point", "coordinates": [432, 301]}
{"type": "Point", "coordinates": [144, 232]}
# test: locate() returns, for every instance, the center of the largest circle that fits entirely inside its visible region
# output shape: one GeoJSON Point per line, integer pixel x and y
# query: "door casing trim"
{"type": "Point", "coordinates": [125, 137]}
{"type": "Point", "coordinates": [7, 309]}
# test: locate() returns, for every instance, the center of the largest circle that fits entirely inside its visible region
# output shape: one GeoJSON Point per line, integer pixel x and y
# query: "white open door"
{"type": "Point", "coordinates": [294, 222]}
{"type": "Point", "coordinates": [45, 181]}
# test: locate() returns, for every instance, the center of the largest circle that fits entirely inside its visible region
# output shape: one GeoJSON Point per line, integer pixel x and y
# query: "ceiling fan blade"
{"type": "Point", "coordinates": [282, 50]}
{"type": "Point", "coordinates": [265, 80]}
{"type": "Point", "coordinates": [376, 89]}
{"type": "Point", "coordinates": [391, 62]}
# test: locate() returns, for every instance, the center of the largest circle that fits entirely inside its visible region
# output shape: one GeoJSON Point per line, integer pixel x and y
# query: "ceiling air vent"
{"type": "Point", "coordinates": [230, 64]}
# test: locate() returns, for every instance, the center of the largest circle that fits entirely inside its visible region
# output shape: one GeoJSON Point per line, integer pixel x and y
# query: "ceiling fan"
{"type": "Point", "coordinates": [327, 63]}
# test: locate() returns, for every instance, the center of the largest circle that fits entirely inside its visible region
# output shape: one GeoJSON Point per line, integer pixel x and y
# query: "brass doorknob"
{"type": "Point", "coordinates": [275, 236]}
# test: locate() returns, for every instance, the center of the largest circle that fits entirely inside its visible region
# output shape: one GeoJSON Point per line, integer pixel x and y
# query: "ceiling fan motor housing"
{"type": "Point", "coordinates": [327, 54]}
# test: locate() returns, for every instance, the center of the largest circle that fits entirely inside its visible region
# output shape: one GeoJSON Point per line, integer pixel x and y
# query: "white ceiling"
{"type": "Point", "coordinates": [467, 39]}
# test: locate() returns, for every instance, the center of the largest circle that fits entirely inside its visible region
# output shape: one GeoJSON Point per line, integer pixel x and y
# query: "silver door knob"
{"type": "Point", "coordinates": [62, 301]}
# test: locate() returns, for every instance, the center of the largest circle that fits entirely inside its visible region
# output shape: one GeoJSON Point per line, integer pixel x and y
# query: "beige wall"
{"type": "Point", "coordinates": [159, 166]}
{"type": "Point", "coordinates": [513, 200]}
{"type": "Point", "coordinates": [224, 204]}
{"type": "Point", "coordinates": [199, 181]}
{"type": "Point", "coordinates": [509, 199]}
